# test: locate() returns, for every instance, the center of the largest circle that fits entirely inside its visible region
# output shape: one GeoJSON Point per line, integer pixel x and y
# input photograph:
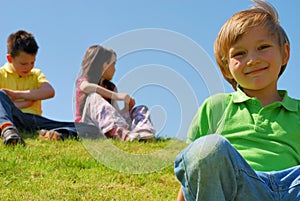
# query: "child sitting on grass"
{"type": "Point", "coordinates": [253, 150]}
{"type": "Point", "coordinates": [96, 98]}
{"type": "Point", "coordinates": [25, 85]}
{"type": "Point", "coordinates": [22, 87]}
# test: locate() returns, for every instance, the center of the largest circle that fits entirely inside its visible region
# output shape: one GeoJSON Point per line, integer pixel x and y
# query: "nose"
{"type": "Point", "coordinates": [252, 58]}
{"type": "Point", "coordinates": [29, 66]}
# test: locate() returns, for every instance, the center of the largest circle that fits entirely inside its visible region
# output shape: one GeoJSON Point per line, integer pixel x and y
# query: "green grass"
{"type": "Point", "coordinates": [89, 170]}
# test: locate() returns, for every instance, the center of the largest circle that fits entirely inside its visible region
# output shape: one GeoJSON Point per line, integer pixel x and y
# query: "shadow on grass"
{"type": "Point", "coordinates": [29, 135]}
{"type": "Point", "coordinates": [134, 157]}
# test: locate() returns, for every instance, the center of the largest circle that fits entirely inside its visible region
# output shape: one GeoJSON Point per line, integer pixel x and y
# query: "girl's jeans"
{"type": "Point", "coordinates": [210, 169]}
{"type": "Point", "coordinates": [25, 121]}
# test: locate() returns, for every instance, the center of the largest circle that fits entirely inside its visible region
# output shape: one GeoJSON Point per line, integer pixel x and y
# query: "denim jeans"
{"type": "Point", "coordinates": [28, 122]}
{"type": "Point", "coordinates": [211, 169]}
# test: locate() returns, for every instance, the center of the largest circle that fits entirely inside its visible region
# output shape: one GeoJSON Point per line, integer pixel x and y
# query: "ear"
{"type": "Point", "coordinates": [9, 58]}
{"type": "Point", "coordinates": [286, 54]}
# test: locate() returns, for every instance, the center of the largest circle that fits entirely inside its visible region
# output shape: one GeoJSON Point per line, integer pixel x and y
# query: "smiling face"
{"type": "Point", "coordinates": [255, 60]}
{"type": "Point", "coordinates": [22, 64]}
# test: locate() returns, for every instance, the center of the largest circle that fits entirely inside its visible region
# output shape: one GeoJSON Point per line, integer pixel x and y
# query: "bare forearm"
{"type": "Point", "coordinates": [180, 196]}
{"type": "Point", "coordinates": [38, 94]}
{"type": "Point", "coordinates": [23, 104]}
{"type": "Point", "coordinates": [44, 92]}
{"type": "Point", "coordinates": [94, 88]}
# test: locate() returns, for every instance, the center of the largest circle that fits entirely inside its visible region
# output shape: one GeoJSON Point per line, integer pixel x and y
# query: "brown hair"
{"type": "Point", "coordinates": [21, 41]}
{"type": "Point", "coordinates": [92, 67]}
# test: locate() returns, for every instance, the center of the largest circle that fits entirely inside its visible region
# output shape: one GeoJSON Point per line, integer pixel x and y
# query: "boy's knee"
{"type": "Point", "coordinates": [209, 147]}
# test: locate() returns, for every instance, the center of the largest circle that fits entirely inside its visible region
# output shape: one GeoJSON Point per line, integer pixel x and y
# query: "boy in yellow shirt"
{"type": "Point", "coordinates": [22, 87]}
{"type": "Point", "coordinates": [25, 85]}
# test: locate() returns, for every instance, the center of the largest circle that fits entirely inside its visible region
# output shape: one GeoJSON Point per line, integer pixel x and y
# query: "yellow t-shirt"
{"type": "Point", "coordinates": [11, 80]}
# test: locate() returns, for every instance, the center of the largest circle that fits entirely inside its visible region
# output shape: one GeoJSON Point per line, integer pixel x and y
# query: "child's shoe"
{"type": "Point", "coordinates": [132, 137]}
{"type": "Point", "coordinates": [50, 135]}
{"type": "Point", "coordinates": [146, 136]}
{"type": "Point", "coordinates": [10, 136]}
{"type": "Point", "coordinates": [122, 134]}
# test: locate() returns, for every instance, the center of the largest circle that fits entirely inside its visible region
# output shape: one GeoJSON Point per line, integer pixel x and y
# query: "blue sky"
{"type": "Point", "coordinates": [172, 83]}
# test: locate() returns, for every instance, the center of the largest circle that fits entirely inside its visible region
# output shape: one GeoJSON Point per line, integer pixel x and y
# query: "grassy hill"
{"type": "Point", "coordinates": [89, 170]}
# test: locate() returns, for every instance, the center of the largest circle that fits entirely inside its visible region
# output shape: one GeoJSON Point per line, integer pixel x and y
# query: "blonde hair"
{"type": "Point", "coordinates": [261, 14]}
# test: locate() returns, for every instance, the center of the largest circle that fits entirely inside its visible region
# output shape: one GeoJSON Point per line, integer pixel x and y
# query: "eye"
{"type": "Point", "coordinates": [262, 47]}
{"type": "Point", "coordinates": [238, 54]}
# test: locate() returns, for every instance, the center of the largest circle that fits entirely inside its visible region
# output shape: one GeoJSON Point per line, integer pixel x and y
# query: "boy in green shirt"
{"type": "Point", "coordinates": [256, 155]}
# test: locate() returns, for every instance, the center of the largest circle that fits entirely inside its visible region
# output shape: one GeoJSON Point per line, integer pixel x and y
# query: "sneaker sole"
{"type": "Point", "coordinates": [146, 136]}
{"type": "Point", "coordinates": [14, 141]}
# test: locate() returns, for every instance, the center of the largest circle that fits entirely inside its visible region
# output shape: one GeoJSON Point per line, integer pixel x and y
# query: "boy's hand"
{"type": "Point", "coordinates": [44, 92]}
{"type": "Point", "coordinates": [12, 94]}
{"type": "Point", "coordinates": [24, 104]}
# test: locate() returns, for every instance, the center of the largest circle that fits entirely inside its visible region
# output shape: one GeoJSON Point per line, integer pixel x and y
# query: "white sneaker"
{"type": "Point", "coordinates": [133, 136]}
{"type": "Point", "coordinates": [144, 135]}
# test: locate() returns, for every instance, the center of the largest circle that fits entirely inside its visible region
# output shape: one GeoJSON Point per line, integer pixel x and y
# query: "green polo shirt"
{"type": "Point", "coordinates": [267, 137]}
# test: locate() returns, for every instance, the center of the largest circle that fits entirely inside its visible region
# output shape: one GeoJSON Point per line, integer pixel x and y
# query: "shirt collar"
{"type": "Point", "coordinates": [8, 68]}
{"type": "Point", "coordinates": [287, 102]}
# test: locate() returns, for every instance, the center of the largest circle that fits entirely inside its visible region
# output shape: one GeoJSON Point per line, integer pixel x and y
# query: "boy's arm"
{"type": "Point", "coordinates": [44, 92]}
{"type": "Point", "coordinates": [23, 104]}
{"type": "Point", "coordinates": [209, 118]}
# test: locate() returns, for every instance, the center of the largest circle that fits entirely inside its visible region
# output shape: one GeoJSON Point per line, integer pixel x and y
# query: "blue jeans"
{"type": "Point", "coordinates": [28, 122]}
{"type": "Point", "coordinates": [211, 169]}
